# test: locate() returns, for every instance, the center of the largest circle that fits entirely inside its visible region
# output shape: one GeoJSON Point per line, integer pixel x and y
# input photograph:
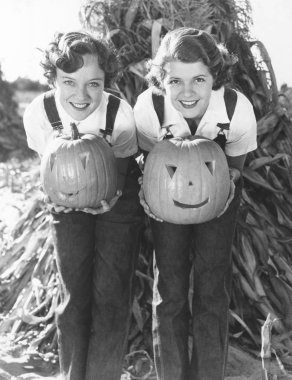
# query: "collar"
{"type": "Point", "coordinates": [174, 120]}
{"type": "Point", "coordinates": [216, 112]}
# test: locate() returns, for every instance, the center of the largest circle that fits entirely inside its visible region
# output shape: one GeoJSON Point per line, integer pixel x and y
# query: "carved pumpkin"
{"type": "Point", "coordinates": [186, 181]}
{"type": "Point", "coordinates": [79, 171]}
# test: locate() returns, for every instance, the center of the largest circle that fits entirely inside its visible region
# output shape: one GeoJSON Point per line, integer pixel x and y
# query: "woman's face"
{"type": "Point", "coordinates": [81, 92]}
{"type": "Point", "coordinates": [189, 87]}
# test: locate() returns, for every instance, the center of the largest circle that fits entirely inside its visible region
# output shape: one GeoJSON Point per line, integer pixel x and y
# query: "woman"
{"type": "Point", "coordinates": [96, 249]}
{"type": "Point", "coordinates": [187, 95]}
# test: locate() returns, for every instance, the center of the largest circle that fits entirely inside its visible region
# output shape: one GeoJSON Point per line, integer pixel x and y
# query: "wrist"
{"type": "Point", "coordinates": [234, 174]}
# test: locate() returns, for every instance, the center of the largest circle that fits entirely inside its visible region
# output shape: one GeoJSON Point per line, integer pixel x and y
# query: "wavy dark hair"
{"type": "Point", "coordinates": [66, 53]}
{"type": "Point", "coordinates": [191, 45]}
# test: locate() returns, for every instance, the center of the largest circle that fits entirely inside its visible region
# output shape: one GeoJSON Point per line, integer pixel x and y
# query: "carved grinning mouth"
{"type": "Point", "coordinates": [63, 195]}
{"type": "Point", "coordinates": [183, 205]}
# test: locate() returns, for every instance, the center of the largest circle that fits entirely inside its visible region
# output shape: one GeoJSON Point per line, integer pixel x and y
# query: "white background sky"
{"type": "Point", "coordinates": [26, 25]}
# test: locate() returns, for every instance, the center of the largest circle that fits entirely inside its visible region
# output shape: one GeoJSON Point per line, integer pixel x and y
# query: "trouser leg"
{"type": "Point", "coordinates": [170, 300]}
{"type": "Point", "coordinates": [117, 238]}
{"type": "Point", "coordinates": [211, 296]}
{"type": "Point", "coordinates": [73, 235]}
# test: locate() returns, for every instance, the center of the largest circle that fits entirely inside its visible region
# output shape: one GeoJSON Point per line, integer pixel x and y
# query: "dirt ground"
{"type": "Point", "coordinates": [241, 366]}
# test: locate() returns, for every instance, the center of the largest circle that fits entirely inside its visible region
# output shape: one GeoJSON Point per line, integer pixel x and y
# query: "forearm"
{"type": "Point", "coordinates": [236, 165]}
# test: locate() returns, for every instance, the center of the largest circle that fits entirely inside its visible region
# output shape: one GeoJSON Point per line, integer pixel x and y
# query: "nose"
{"type": "Point", "coordinates": [188, 89]}
{"type": "Point", "coordinates": [81, 92]}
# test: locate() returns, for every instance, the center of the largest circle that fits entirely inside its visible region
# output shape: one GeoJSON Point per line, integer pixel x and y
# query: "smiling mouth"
{"type": "Point", "coordinates": [188, 103]}
{"type": "Point", "coordinates": [183, 205]}
{"type": "Point", "coordinates": [79, 106]}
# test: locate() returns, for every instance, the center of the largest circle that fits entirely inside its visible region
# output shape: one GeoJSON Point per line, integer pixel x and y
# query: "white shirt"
{"type": "Point", "coordinates": [40, 132]}
{"type": "Point", "coordinates": [241, 137]}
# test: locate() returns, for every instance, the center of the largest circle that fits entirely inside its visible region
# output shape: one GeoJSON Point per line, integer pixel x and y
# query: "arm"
{"type": "Point", "coordinates": [236, 164]}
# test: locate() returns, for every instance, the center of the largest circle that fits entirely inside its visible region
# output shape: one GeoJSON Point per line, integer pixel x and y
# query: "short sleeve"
{"type": "Point", "coordinates": [124, 137]}
{"type": "Point", "coordinates": [147, 122]}
{"type": "Point", "coordinates": [36, 126]}
{"type": "Point", "coordinates": [243, 129]}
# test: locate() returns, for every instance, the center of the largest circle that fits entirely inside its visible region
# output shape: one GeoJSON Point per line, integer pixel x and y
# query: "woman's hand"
{"type": "Point", "coordinates": [104, 205]}
{"type": "Point", "coordinates": [53, 207]}
{"type": "Point", "coordinates": [144, 204]}
{"type": "Point", "coordinates": [234, 177]}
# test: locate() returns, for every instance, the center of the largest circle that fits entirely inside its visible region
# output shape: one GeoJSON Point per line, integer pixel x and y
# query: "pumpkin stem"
{"type": "Point", "coordinates": [75, 135]}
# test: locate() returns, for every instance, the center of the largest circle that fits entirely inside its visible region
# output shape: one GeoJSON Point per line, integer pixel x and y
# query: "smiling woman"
{"type": "Point", "coordinates": [95, 238]}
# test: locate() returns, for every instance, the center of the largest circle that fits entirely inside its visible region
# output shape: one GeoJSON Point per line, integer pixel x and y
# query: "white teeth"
{"type": "Point", "coordinates": [80, 105]}
{"type": "Point", "coordinates": [188, 103]}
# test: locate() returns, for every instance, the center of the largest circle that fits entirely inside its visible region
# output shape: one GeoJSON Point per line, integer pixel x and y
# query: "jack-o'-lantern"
{"type": "Point", "coordinates": [186, 180]}
{"type": "Point", "coordinates": [79, 171]}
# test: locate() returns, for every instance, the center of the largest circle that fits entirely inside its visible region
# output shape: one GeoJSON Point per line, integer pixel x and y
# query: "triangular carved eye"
{"type": "Point", "coordinates": [211, 166]}
{"type": "Point", "coordinates": [84, 157]}
{"type": "Point", "coordinates": [53, 158]}
{"type": "Point", "coordinates": [171, 170]}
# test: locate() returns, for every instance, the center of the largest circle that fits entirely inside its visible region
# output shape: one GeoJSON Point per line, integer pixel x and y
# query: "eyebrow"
{"type": "Point", "coordinates": [97, 79]}
{"type": "Point", "coordinates": [196, 76]}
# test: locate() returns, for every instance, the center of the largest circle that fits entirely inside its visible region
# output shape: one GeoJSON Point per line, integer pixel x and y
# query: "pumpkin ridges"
{"type": "Point", "coordinates": [108, 165]}
{"type": "Point", "coordinates": [71, 153]}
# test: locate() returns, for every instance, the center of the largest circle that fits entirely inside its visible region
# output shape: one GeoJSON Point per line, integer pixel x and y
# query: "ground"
{"type": "Point", "coordinates": [241, 366]}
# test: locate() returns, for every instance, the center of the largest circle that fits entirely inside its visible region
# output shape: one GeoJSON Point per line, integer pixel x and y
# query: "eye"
{"type": "Point", "coordinates": [174, 82]}
{"type": "Point", "coordinates": [94, 84]}
{"type": "Point", "coordinates": [171, 170]}
{"type": "Point", "coordinates": [84, 157]}
{"type": "Point", "coordinates": [200, 80]}
{"type": "Point", "coordinates": [53, 158]}
{"type": "Point", "coordinates": [211, 166]}
{"type": "Point", "coordinates": [69, 82]}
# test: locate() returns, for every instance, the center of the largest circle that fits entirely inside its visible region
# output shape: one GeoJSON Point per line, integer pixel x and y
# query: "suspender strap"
{"type": "Point", "coordinates": [158, 103]}
{"type": "Point", "coordinates": [111, 113]}
{"type": "Point", "coordinates": [51, 110]}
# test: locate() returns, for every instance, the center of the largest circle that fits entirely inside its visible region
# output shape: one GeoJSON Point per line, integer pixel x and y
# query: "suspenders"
{"type": "Point", "coordinates": [230, 98]}
{"type": "Point", "coordinates": [54, 118]}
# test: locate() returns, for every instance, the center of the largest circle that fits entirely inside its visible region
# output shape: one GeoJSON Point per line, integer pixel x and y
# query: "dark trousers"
{"type": "Point", "coordinates": [96, 258]}
{"type": "Point", "coordinates": [210, 244]}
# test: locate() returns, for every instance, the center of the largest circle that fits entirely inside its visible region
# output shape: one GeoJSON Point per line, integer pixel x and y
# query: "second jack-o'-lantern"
{"type": "Point", "coordinates": [79, 171]}
{"type": "Point", "coordinates": [187, 180]}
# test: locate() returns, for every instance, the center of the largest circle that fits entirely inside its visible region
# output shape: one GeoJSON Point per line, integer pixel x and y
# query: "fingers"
{"type": "Point", "coordinates": [234, 174]}
{"type": "Point", "coordinates": [146, 207]}
{"type": "Point", "coordinates": [119, 193]}
{"type": "Point", "coordinates": [230, 198]}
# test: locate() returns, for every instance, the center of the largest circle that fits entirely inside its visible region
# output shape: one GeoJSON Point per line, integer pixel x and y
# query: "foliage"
{"type": "Point", "coordinates": [26, 84]}
{"type": "Point", "coordinates": [12, 136]}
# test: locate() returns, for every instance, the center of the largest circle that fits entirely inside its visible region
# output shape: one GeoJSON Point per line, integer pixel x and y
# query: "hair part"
{"type": "Point", "coordinates": [190, 45]}
{"type": "Point", "coordinates": [66, 53]}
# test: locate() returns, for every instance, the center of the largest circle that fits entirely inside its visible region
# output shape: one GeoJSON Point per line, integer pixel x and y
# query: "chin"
{"type": "Point", "coordinates": [80, 115]}
{"type": "Point", "coordinates": [189, 114]}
